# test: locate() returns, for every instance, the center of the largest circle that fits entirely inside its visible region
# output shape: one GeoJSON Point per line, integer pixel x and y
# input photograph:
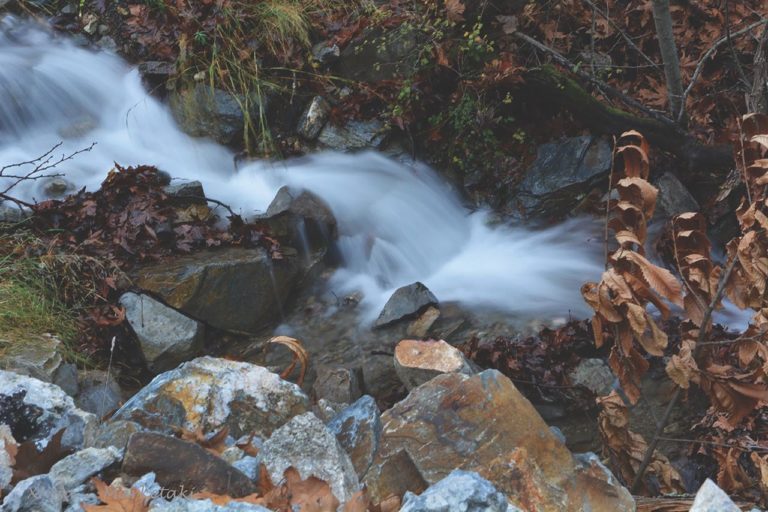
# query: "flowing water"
{"type": "Point", "coordinates": [398, 223]}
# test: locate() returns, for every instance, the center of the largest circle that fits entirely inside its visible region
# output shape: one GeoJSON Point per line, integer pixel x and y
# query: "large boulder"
{"type": "Point", "coordinates": [36, 410]}
{"type": "Point", "coordinates": [207, 393]}
{"type": "Point", "coordinates": [562, 174]}
{"type": "Point", "coordinates": [483, 423]}
{"type": "Point", "coordinates": [166, 337]}
{"type": "Point", "coordinates": [306, 444]}
{"type": "Point", "coordinates": [206, 112]}
{"type": "Point", "coordinates": [231, 289]}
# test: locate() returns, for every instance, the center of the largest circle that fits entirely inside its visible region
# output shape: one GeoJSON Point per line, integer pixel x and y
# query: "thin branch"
{"type": "Point", "coordinates": [214, 201]}
{"type": "Point", "coordinates": [623, 34]}
{"type": "Point", "coordinates": [42, 164]}
{"type": "Point", "coordinates": [742, 75]}
{"type": "Point", "coordinates": [679, 391]}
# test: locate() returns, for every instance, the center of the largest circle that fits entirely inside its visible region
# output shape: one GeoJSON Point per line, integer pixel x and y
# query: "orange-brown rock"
{"type": "Point", "coordinates": [417, 362]}
{"type": "Point", "coordinates": [483, 423]}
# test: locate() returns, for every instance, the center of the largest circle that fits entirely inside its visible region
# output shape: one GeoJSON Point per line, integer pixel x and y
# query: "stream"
{"type": "Point", "coordinates": [398, 222]}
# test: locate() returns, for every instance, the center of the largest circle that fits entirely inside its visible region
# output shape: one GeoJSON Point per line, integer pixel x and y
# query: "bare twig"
{"type": "Point", "coordinates": [208, 199]}
{"type": "Point", "coordinates": [42, 164]}
{"type": "Point", "coordinates": [703, 329]}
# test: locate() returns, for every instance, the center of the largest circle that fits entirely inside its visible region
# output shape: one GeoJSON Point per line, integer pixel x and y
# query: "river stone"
{"type": "Point", "coordinates": [57, 187]}
{"type": "Point", "coordinates": [186, 193]}
{"type": "Point", "coordinates": [593, 374]}
{"type": "Point", "coordinates": [36, 410]}
{"type": "Point", "coordinates": [207, 393]}
{"type": "Point", "coordinates": [75, 469]}
{"type": "Point", "coordinates": [314, 118]}
{"type": "Point", "coordinates": [562, 174]}
{"type": "Point", "coordinates": [36, 494]}
{"type": "Point", "coordinates": [417, 362]}
{"type": "Point", "coordinates": [306, 444]}
{"type": "Point", "coordinates": [166, 337]}
{"type": "Point", "coordinates": [302, 219]}
{"type": "Point", "coordinates": [231, 289]}
{"type": "Point", "coordinates": [7, 445]}
{"type": "Point", "coordinates": [407, 301]}
{"type": "Point", "coordinates": [214, 113]}
{"type": "Point", "coordinates": [483, 423]}
{"type": "Point", "coordinates": [673, 198]}
{"type": "Point", "coordinates": [464, 491]}
{"type": "Point", "coordinates": [711, 498]}
{"type": "Point", "coordinates": [355, 135]}
{"type": "Point", "coordinates": [37, 356]}
{"type": "Point", "coordinates": [11, 213]}
{"type": "Point", "coordinates": [337, 384]}
{"type": "Point", "coordinates": [358, 430]}
{"type": "Point", "coordinates": [183, 465]}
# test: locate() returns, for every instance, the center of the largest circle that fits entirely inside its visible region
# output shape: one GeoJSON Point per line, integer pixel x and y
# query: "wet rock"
{"type": "Point", "coordinates": [75, 469]}
{"type": "Point", "coordinates": [460, 490]}
{"type": "Point", "coordinates": [711, 498]}
{"type": "Point", "coordinates": [483, 423]}
{"type": "Point", "coordinates": [106, 43]}
{"type": "Point", "coordinates": [314, 118]}
{"type": "Point", "coordinates": [337, 384]}
{"type": "Point", "coordinates": [207, 393]}
{"type": "Point", "coordinates": [307, 445]}
{"type": "Point", "coordinates": [380, 54]}
{"type": "Point", "coordinates": [36, 494]}
{"type": "Point", "coordinates": [593, 374]}
{"type": "Point", "coordinates": [355, 135]}
{"type": "Point", "coordinates": [11, 213]}
{"type": "Point", "coordinates": [230, 289]}
{"type": "Point", "coordinates": [325, 53]}
{"type": "Point", "coordinates": [407, 301]}
{"type": "Point", "coordinates": [56, 188]}
{"type": "Point", "coordinates": [214, 113]}
{"type": "Point", "coordinates": [358, 430]}
{"type": "Point", "coordinates": [561, 175]}
{"type": "Point", "coordinates": [113, 433]}
{"type": "Point", "coordinates": [7, 444]}
{"type": "Point", "coordinates": [38, 356]}
{"type": "Point", "coordinates": [155, 74]}
{"type": "Point", "coordinates": [183, 465]}
{"type": "Point", "coordinates": [36, 410]}
{"type": "Point", "coordinates": [421, 326]}
{"type": "Point", "coordinates": [80, 127]}
{"type": "Point", "coordinates": [673, 198]}
{"type": "Point", "coordinates": [417, 362]}
{"type": "Point", "coordinates": [99, 393]}
{"type": "Point", "coordinates": [166, 337]}
{"type": "Point", "coordinates": [186, 193]}
{"type": "Point", "coordinates": [301, 219]}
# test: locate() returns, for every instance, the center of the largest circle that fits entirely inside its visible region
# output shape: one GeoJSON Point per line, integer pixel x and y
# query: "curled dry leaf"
{"type": "Point", "coordinates": [300, 355]}
{"type": "Point", "coordinates": [116, 499]}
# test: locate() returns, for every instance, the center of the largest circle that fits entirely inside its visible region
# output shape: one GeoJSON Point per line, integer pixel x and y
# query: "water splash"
{"type": "Point", "coordinates": [397, 223]}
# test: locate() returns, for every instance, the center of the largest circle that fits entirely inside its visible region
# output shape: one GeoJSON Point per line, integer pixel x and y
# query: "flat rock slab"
{"type": "Point", "coordinates": [417, 362]}
{"type": "Point", "coordinates": [182, 465]}
{"type": "Point", "coordinates": [209, 392]}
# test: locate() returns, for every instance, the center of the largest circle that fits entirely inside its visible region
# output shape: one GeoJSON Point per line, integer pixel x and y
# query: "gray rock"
{"type": "Point", "coordinates": [307, 445]}
{"type": "Point", "coordinates": [249, 465]}
{"type": "Point", "coordinates": [233, 289]}
{"type": "Point", "coordinates": [36, 410]}
{"type": "Point", "coordinates": [302, 220]}
{"type": "Point", "coordinates": [407, 301]}
{"type": "Point", "coordinates": [155, 74]}
{"type": "Point", "coordinates": [99, 393]}
{"type": "Point", "coordinates": [711, 498]}
{"type": "Point", "coordinates": [77, 500]}
{"type": "Point", "coordinates": [185, 193]}
{"type": "Point", "coordinates": [107, 43]}
{"type": "Point", "coordinates": [191, 505]}
{"type": "Point", "coordinates": [65, 377]}
{"type": "Point", "coordinates": [57, 187]}
{"type": "Point", "coordinates": [113, 433]}
{"type": "Point", "coordinates": [337, 384]}
{"type": "Point", "coordinates": [561, 175]}
{"type": "Point", "coordinates": [314, 118]}
{"type": "Point", "coordinates": [325, 53]}
{"type": "Point", "coordinates": [460, 491]}
{"type": "Point", "coordinates": [358, 430]}
{"type": "Point", "coordinates": [355, 135]}
{"type": "Point", "coordinates": [214, 113]}
{"type": "Point", "coordinates": [11, 213]}
{"type": "Point", "coordinates": [6, 471]}
{"type": "Point", "coordinates": [593, 374]}
{"type": "Point", "coordinates": [167, 338]}
{"type": "Point", "coordinates": [381, 54]}
{"type": "Point", "coordinates": [38, 357]}
{"type": "Point", "coordinates": [148, 486]}
{"type": "Point", "coordinates": [75, 469]}
{"type": "Point", "coordinates": [673, 198]}
{"type": "Point", "coordinates": [35, 494]}
{"type": "Point", "coordinates": [207, 393]}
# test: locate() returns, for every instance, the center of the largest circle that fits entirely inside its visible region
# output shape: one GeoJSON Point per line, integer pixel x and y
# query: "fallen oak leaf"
{"type": "Point", "coordinates": [117, 500]}
{"type": "Point", "coordinates": [31, 462]}
{"type": "Point", "coordinates": [454, 9]}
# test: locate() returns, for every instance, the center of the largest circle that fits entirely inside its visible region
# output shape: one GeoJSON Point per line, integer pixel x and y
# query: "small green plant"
{"type": "Point", "coordinates": [201, 38]}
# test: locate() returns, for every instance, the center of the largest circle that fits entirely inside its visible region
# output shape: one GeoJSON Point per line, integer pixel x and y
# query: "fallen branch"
{"type": "Point", "coordinates": [42, 164]}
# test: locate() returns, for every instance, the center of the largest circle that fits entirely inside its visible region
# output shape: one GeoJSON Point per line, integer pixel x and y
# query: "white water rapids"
{"type": "Point", "coordinates": [398, 224]}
